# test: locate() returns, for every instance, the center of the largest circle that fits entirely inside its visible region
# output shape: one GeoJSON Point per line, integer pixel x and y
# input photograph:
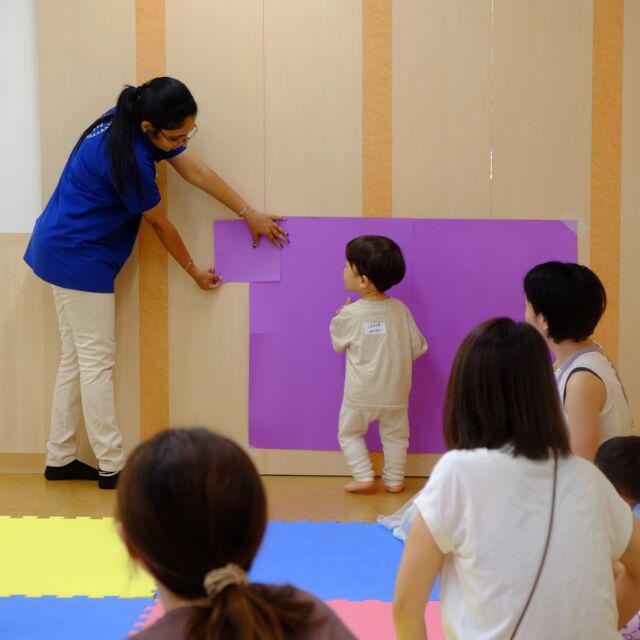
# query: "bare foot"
{"type": "Point", "coordinates": [360, 487]}
{"type": "Point", "coordinates": [396, 488]}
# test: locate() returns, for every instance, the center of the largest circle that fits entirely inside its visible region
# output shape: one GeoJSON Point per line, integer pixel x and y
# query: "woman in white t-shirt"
{"type": "Point", "coordinates": [522, 532]}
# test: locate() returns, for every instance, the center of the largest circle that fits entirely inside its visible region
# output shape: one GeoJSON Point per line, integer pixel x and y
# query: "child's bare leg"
{"type": "Point", "coordinates": [394, 433]}
{"type": "Point", "coordinates": [353, 426]}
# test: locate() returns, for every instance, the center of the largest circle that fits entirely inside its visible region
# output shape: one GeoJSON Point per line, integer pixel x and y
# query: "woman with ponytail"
{"type": "Point", "coordinates": [86, 233]}
{"type": "Point", "coordinates": [191, 510]}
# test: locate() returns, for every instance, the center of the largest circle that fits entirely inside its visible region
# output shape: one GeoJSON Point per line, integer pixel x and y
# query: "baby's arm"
{"type": "Point", "coordinates": [340, 329]}
{"type": "Point", "coordinates": [418, 343]}
{"type": "Point", "coordinates": [584, 399]}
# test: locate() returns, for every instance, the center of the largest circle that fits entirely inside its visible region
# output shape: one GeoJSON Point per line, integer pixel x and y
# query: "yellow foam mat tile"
{"type": "Point", "coordinates": [67, 557]}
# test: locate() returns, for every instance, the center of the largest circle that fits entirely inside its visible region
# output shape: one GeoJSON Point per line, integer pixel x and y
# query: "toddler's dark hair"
{"type": "Point", "coordinates": [377, 257]}
{"type": "Point", "coordinates": [570, 296]}
{"type": "Point", "coordinates": [619, 460]}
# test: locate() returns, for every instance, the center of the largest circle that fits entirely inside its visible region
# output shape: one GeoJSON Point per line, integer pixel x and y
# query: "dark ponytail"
{"type": "Point", "coordinates": [164, 102]}
{"type": "Point", "coordinates": [189, 502]}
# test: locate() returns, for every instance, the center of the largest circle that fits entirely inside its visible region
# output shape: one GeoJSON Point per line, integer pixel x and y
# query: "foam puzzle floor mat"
{"type": "Point", "coordinates": [71, 578]}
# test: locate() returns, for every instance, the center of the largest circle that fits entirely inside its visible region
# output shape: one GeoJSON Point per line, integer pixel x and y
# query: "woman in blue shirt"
{"type": "Point", "coordinates": [85, 234]}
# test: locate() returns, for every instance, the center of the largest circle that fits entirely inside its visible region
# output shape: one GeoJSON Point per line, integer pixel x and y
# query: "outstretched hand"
{"type": "Point", "coordinates": [206, 279]}
{"type": "Point", "coordinates": [262, 224]}
{"type": "Point", "coordinates": [339, 309]}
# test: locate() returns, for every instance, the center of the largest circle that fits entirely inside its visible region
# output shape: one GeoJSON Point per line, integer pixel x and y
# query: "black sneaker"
{"type": "Point", "coordinates": [75, 470]}
{"type": "Point", "coordinates": [108, 479]}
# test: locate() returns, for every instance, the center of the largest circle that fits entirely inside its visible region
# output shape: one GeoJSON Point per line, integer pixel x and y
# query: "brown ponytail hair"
{"type": "Point", "coordinates": [190, 501]}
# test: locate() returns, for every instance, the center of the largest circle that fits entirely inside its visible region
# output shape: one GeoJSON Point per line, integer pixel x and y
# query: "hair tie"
{"type": "Point", "coordinates": [217, 580]}
{"type": "Point", "coordinates": [141, 88]}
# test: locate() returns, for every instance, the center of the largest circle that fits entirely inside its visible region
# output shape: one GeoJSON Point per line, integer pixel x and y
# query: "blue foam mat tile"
{"type": "Point", "coordinates": [334, 560]}
{"type": "Point", "coordinates": [51, 618]}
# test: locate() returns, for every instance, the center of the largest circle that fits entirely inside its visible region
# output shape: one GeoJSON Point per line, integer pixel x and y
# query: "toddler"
{"type": "Point", "coordinates": [381, 341]}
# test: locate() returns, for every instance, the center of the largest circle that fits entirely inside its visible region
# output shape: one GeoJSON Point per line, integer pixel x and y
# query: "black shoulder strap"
{"type": "Point", "coordinates": [546, 546]}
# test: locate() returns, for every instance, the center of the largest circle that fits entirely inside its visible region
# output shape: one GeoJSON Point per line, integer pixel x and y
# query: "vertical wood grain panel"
{"type": "Point", "coordinates": [630, 222]}
{"type": "Point", "coordinates": [209, 331]}
{"type": "Point", "coordinates": [441, 108]}
{"type": "Point", "coordinates": [28, 353]}
{"type": "Point", "coordinates": [606, 161]}
{"type": "Point", "coordinates": [153, 277]}
{"type": "Point", "coordinates": [377, 39]}
{"type": "Point", "coordinates": [313, 107]}
{"type": "Point", "coordinates": [541, 134]}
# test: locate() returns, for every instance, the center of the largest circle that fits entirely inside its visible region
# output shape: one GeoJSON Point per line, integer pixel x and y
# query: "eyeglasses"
{"type": "Point", "coordinates": [177, 140]}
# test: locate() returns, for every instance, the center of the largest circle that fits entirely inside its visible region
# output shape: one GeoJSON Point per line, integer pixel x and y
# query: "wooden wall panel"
{"type": "Point", "coordinates": [541, 131]}
{"type": "Point", "coordinates": [153, 285]}
{"type": "Point", "coordinates": [441, 108]}
{"type": "Point", "coordinates": [606, 162]}
{"type": "Point", "coordinates": [86, 55]}
{"type": "Point", "coordinates": [28, 351]}
{"type": "Point", "coordinates": [313, 107]}
{"type": "Point", "coordinates": [209, 331]}
{"type": "Point", "coordinates": [630, 223]}
{"type": "Point", "coordinates": [377, 134]}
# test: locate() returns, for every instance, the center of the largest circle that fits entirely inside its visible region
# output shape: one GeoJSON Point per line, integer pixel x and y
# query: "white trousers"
{"type": "Point", "coordinates": [394, 433]}
{"type": "Point", "coordinates": [85, 382]}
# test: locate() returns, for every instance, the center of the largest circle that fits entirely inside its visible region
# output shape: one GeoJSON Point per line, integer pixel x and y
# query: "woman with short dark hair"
{"type": "Point", "coordinates": [564, 301]}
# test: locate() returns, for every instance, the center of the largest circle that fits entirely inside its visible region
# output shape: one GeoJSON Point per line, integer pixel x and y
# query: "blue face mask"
{"type": "Point", "coordinates": [636, 511]}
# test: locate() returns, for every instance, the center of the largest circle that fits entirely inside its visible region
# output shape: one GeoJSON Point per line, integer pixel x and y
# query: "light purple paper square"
{"type": "Point", "coordinates": [236, 260]}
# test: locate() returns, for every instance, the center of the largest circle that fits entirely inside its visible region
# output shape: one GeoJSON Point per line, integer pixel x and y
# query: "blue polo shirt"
{"type": "Point", "coordinates": [87, 230]}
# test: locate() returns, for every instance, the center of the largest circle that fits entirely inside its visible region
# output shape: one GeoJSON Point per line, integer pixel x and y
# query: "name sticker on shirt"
{"type": "Point", "coordinates": [374, 328]}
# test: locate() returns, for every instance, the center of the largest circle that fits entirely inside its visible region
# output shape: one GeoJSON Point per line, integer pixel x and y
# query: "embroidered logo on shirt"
{"type": "Point", "coordinates": [101, 128]}
{"type": "Point", "coordinates": [374, 328]}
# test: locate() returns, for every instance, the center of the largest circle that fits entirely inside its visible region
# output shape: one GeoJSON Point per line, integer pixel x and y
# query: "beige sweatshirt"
{"type": "Point", "coordinates": [382, 341]}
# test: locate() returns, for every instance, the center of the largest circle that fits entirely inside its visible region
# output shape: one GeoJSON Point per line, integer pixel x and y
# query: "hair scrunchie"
{"type": "Point", "coordinates": [217, 580]}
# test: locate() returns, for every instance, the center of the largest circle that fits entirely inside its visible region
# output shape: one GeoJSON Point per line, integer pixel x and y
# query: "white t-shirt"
{"type": "Point", "coordinates": [489, 513]}
{"type": "Point", "coordinates": [382, 341]}
{"type": "Point", "coordinates": [615, 417]}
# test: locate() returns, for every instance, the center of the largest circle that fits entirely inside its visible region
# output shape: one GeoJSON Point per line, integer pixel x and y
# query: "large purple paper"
{"type": "Point", "coordinates": [459, 273]}
{"type": "Point", "coordinates": [235, 258]}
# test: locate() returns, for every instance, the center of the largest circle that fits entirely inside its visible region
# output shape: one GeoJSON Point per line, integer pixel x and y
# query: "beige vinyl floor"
{"type": "Point", "coordinates": [314, 498]}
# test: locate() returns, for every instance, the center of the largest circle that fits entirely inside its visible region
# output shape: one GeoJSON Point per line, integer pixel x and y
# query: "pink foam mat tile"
{"type": "Point", "coordinates": [149, 616]}
{"type": "Point", "coordinates": [373, 620]}
{"type": "Point", "coordinates": [368, 620]}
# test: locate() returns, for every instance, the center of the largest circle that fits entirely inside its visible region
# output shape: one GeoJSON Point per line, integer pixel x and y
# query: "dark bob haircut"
{"type": "Point", "coordinates": [379, 258]}
{"type": "Point", "coordinates": [619, 460]}
{"type": "Point", "coordinates": [502, 392]}
{"type": "Point", "coordinates": [570, 296]}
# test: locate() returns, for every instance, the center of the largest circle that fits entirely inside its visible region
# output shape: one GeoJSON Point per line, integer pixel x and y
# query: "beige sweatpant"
{"type": "Point", "coordinates": [394, 433]}
{"type": "Point", "coordinates": [84, 381]}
